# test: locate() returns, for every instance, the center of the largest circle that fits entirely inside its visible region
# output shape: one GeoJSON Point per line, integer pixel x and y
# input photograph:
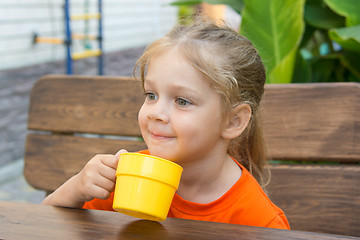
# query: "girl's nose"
{"type": "Point", "coordinates": [159, 112]}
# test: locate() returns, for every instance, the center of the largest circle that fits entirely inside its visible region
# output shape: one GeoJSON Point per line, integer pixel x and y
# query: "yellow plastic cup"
{"type": "Point", "coordinates": [145, 186]}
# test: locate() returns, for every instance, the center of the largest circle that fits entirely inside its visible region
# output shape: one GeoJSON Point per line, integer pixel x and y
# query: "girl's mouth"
{"type": "Point", "coordinates": [160, 136]}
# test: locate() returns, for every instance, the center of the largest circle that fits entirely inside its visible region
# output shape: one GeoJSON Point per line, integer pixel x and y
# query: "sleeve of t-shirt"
{"type": "Point", "coordinates": [100, 204]}
{"type": "Point", "coordinates": [279, 222]}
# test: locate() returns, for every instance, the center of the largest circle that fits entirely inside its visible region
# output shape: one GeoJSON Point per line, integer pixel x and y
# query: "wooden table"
{"type": "Point", "coordinates": [30, 221]}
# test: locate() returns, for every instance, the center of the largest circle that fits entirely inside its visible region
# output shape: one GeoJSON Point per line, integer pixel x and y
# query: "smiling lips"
{"type": "Point", "coordinates": [160, 136]}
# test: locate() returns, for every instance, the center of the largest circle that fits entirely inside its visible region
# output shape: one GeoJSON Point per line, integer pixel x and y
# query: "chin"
{"type": "Point", "coordinates": [162, 154]}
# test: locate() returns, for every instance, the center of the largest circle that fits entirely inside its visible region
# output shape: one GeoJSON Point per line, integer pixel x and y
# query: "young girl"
{"type": "Point", "coordinates": [203, 85]}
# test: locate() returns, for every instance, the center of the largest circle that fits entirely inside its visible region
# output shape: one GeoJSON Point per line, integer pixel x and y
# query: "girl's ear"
{"type": "Point", "coordinates": [236, 121]}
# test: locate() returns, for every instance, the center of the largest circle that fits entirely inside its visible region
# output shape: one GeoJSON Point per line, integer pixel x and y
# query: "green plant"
{"type": "Point", "coordinates": [302, 40]}
{"type": "Point", "coordinates": [186, 12]}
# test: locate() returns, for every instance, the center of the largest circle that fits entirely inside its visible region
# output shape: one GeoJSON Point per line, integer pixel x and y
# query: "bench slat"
{"type": "Point", "coordinates": [105, 105]}
{"type": "Point", "coordinates": [318, 198]}
{"type": "Point", "coordinates": [53, 159]}
{"type": "Point", "coordinates": [317, 121]}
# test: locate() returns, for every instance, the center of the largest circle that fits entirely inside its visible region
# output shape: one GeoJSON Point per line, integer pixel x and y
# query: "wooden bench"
{"type": "Point", "coordinates": [312, 131]}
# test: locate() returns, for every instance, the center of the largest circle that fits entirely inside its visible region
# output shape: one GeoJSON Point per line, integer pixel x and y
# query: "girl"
{"type": "Point", "coordinates": [203, 85]}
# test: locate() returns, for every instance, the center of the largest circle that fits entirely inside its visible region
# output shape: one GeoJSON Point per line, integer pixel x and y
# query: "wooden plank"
{"type": "Point", "coordinates": [52, 159]}
{"type": "Point", "coordinates": [36, 221]}
{"type": "Point", "coordinates": [105, 105]}
{"type": "Point", "coordinates": [317, 121]}
{"type": "Point", "coordinates": [318, 198]}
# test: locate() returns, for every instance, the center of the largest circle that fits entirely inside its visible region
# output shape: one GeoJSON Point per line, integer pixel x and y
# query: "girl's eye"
{"type": "Point", "coordinates": [150, 96]}
{"type": "Point", "coordinates": [182, 102]}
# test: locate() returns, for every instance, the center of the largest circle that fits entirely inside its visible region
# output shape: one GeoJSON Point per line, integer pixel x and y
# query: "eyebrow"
{"type": "Point", "coordinates": [187, 90]}
{"type": "Point", "coordinates": [147, 80]}
{"type": "Point", "coordinates": [177, 87]}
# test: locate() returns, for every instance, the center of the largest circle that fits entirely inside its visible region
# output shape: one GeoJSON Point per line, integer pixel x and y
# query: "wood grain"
{"type": "Point", "coordinates": [104, 105]}
{"type": "Point", "coordinates": [318, 198]}
{"type": "Point", "coordinates": [316, 122]}
{"type": "Point", "coordinates": [28, 221]}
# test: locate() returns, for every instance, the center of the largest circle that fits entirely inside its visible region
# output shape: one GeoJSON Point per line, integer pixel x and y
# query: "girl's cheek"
{"type": "Point", "coordinates": [141, 118]}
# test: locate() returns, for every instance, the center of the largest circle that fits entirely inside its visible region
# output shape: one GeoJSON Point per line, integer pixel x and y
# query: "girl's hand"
{"type": "Point", "coordinates": [95, 180]}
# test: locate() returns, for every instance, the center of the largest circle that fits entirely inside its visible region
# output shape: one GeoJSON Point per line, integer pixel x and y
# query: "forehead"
{"type": "Point", "coordinates": [171, 66]}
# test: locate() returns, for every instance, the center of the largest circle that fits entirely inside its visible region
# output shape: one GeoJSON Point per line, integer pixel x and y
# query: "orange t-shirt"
{"type": "Point", "coordinates": [244, 203]}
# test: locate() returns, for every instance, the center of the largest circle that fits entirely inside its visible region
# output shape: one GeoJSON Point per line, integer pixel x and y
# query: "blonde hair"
{"type": "Point", "coordinates": [233, 68]}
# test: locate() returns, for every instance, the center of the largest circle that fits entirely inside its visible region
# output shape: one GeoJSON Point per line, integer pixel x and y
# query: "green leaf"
{"type": "Point", "coordinates": [337, 67]}
{"type": "Point", "coordinates": [283, 71]}
{"type": "Point", "coordinates": [351, 61]}
{"type": "Point", "coordinates": [347, 8]}
{"type": "Point", "coordinates": [320, 16]}
{"type": "Point", "coordinates": [348, 38]}
{"type": "Point", "coordinates": [352, 78]}
{"type": "Point", "coordinates": [307, 35]}
{"type": "Point", "coordinates": [323, 68]}
{"type": "Point", "coordinates": [302, 71]}
{"type": "Point", "coordinates": [275, 28]}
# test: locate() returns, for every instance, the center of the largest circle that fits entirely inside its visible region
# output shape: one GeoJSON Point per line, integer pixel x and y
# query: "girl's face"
{"type": "Point", "coordinates": [181, 118]}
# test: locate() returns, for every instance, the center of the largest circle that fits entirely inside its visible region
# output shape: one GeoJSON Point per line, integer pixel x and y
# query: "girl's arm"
{"type": "Point", "coordinates": [95, 180]}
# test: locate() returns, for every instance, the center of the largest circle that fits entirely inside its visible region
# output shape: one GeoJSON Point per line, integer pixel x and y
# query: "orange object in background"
{"type": "Point", "coordinates": [215, 12]}
{"type": "Point", "coordinates": [222, 13]}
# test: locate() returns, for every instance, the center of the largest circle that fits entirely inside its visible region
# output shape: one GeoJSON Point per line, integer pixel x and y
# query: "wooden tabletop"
{"type": "Point", "coordinates": [31, 221]}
